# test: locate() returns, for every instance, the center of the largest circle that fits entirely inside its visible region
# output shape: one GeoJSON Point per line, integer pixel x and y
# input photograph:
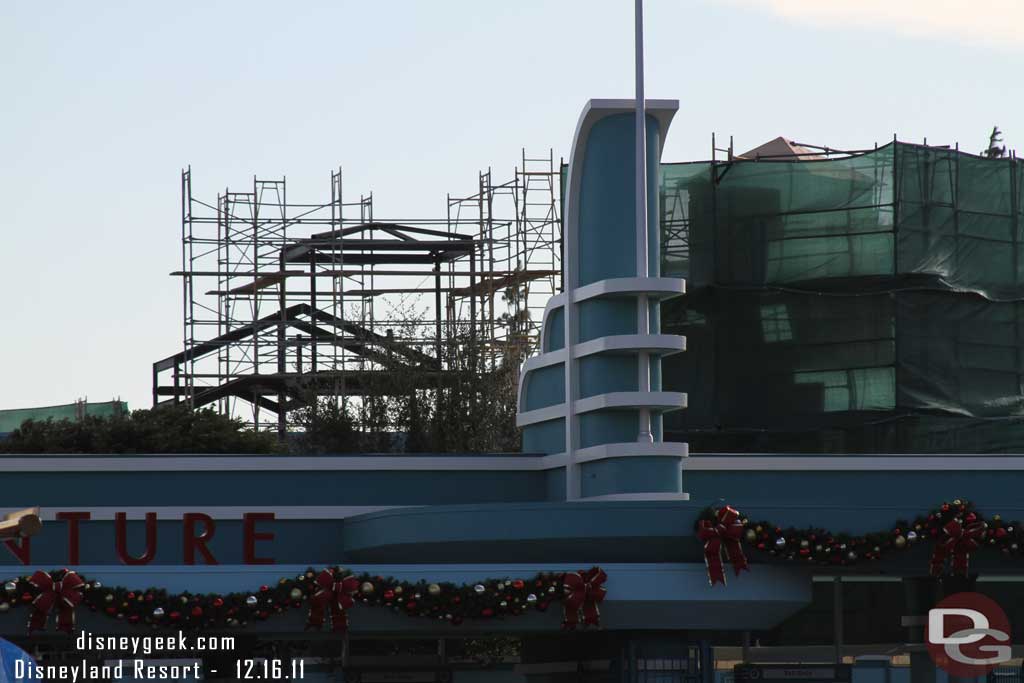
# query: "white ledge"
{"type": "Point", "coordinates": [633, 449]}
{"type": "Point", "coordinates": [634, 497]}
{"type": "Point", "coordinates": [615, 400]}
{"type": "Point", "coordinates": [659, 344]}
{"type": "Point", "coordinates": [655, 400]}
{"type": "Point", "coordinates": [653, 287]}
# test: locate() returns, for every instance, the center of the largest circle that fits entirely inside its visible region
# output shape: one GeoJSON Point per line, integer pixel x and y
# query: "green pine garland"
{"type": "Point", "coordinates": [442, 601]}
{"type": "Point", "coordinates": [822, 546]}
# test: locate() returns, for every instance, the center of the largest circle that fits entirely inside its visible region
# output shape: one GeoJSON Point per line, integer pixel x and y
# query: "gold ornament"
{"type": "Point", "coordinates": [366, 588]}
{"type": "Point", "coordinates": [434, 589]}
{"type": "Point", "coordinates": [398, 590]}
{"type": "Point", "coordinates": [900, 541]}
{"type": "Point", "coordinates": [4, 607]}
{"type": "Point", "coordinates": [750, 535]}
{"type": "Point", "coordinates": [296, 594]}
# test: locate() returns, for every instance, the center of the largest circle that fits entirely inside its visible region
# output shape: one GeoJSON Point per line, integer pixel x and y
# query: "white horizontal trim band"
{"type": "Point", "coordinates": [633, 449]}
{"type": "Point", "coordinates": [662, 344]}
{"type": "Point", "coordinates": [218, 512]}
{"type": "Point", "coordinates": [635, 497]}
{"type": "Point", "coordinates": [614, 400]}
{"type": "Point", "coordinates": [871, 463]}
{"type": "Point", "coordinates": [58, 466]}
{"type": "Point", "coordinates": [653, 287]}
{"type": "Point", "coordinates": [187, 463]}
{"type": "Point", "coordinates": [655, 400]}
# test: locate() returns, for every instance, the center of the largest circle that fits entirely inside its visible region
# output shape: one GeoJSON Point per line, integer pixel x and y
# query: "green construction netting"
{"type": "Point", "coordinates": [868, 303]}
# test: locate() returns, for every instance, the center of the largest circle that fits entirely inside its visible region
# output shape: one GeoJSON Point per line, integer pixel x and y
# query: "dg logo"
{"type": "Point", "coordinates": [968, 635]}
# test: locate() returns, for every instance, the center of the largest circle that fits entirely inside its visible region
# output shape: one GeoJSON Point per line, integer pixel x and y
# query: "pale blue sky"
{"type": "Point", "coordinates": [104, 102]}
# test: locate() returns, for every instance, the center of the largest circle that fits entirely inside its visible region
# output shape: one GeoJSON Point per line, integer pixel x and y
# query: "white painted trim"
{"type": "Point", "coordinates": [700, 463]}
{"type": "Point", "coordinates": [532, 417]}
{"type": "Point", "coordinates": [655, 400]}
{"type": "Point", "coordinates": [660, 344]}
{"type": "Point", "coordinates": [635, 497]}
{"type": "Point", "coordinates": [633, 449]}
{"type": "Point", "coordinates": [845, 463]}
{"type": "Point", "coordinates": [219, 512]}
{"type": "Point", "coordinates": [513, 462]}
{"type": "Point", "coordinates": [615, 400]}
{"type": "Point", "coordinates": [543, 360]}
{"type": "Point", "coordinates": [653, 287]}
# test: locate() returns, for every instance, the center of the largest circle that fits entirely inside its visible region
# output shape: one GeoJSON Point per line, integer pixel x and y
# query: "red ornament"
{"type": "Point", "coordinates": [26, 597]}
{"type": "Point", "coordinates": [487, 612]}
{"type": "Point", "coordinates": [389, 594]}
{"type": "Point", "coordinates": [518, 584]}
{"type": "Point", "coordinates": [111, 610]}
{"type": "Point", "coordinates": [197, 611]}
{"type": "Point", "coordinates": [457, 599]}
{"type": "Point", "coordinates": [264, 589]}
{"type": "Point", "coordinates": [174, 616]}
{"type": "Point", "coordinates": [218, 602]}
{"type": "Point", "coordinates": [131, 596]}
{"type": "Point", "coordinates": [133, 619]}
{"type": "Point", "coordinates": [411, 605]}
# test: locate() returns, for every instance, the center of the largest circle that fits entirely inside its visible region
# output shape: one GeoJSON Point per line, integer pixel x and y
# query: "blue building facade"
{"type": "Point", "coordinates": [596, 485]}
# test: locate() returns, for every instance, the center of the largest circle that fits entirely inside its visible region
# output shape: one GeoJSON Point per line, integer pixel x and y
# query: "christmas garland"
{"type": "Point", "coordinates": [327, 593]}
{"type": "Point", "coordinates": [956, 529]}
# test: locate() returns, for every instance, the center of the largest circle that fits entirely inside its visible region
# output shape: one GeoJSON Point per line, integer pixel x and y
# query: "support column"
{"type": "Point", "coordinates": [920, 595]}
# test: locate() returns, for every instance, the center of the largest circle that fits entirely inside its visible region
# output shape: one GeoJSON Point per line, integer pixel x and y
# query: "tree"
{"type": "Point", "coordinates": [164, 429]}
{"type": "Point", "coordinates": [994, 151]}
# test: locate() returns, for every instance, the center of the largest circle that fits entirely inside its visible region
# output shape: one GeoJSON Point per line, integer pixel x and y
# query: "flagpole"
{"type": "Point", "coordinates": [643, 313]}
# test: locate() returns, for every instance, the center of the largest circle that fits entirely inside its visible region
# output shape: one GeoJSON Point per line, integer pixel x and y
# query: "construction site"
{"type": "Point", "coordinates": [286, 303]}
{"type": "Point", "coordinates": [861, 300]}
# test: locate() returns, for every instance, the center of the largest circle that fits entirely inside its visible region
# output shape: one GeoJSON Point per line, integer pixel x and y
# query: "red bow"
{"type": "Point", "coordinates": [63, 594]}
{"type": "Point", "coordinates": [960, 540]}
{"type": "Point", "coordinates": [726, 530]}
{"type": "Point", "coordinates": [583, 592]}
{"type": "Point", "coordinates": [336, 595]}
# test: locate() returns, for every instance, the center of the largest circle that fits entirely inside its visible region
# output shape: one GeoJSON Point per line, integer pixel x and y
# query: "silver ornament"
{"type": "Point", "coordinates": [97, 584]}
{"type": "Point", "coordinates": [478, 589]}
{"type": "Point", "coordinates": [11, 587]}
{"type": "Point", "coordinates": [780, 542]}
{"type": "Point", "coordinates": [251, 601]}
{"type": "Point", "coordinates": [531, 598]}
{"type": "Point", "coordinates": [911, 536]}
{"type": "Point", "coordinates": [158, 612]}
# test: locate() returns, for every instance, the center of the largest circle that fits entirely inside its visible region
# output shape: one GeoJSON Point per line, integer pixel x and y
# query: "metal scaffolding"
{"type": "Point", "coordinates": [284, 302]}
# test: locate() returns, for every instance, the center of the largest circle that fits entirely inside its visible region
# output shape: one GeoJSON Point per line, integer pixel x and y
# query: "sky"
{"type": "Point", "coordinates": [103, 103]}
